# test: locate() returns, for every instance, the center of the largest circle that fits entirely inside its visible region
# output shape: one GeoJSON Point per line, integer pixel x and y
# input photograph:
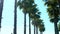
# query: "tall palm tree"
{"type": "Point", "coordinates": [1, 9]}
{"type": "Point", "coordinates": [35, 22]}
{"type": "Point", "coordinates": [15, 17]}
{"type": "Point", "coordinates": [29, 9]}
{"type": "Point", "coordinates": [30, 12]}
{"type": "Point", "coordinates": [34, 16]}
{"type": "Point", "coordinates": [53, 12]}
{"type": "Point", "coordinates": [23, 5]}
{"type": "Point", "coordinates": [39, 24]}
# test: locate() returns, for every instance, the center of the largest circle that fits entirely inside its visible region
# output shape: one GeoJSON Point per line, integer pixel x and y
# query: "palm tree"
{"type": "Point", "coordinates": [53, 13]}
{"type": "Point", "coordinates": [41, 28]}
{"type": "Point", "coordinates": [28, 9]}
{"type": "Point", "coordinates": [15, 17]}
{"type": "Point", "coordinates": [34, 16]}
{"type": "Point", "coordinates": [29, 12]}
{"type": "Point", "coordinates": [35, 22]}
{"type": "Point", "coordinates": [1, 9]}
{"type": "Point", "coordinates": [32, 8]}
{"type": "Point", "coordinates": [23, 5]}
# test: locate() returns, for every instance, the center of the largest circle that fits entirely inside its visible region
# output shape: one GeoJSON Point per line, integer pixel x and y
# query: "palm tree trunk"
{"type": "Point", "coordinates": [29, 25]}
{"type": "Point", "coordinates": [41, 33]}
{"type": "Point", "coordinates": [15, 18]}
{"type": "Point", "coordinates": [36, 30]}
{"type": "Point", "coordinates": [24, 23]}
{"type": "Point", "coordinates": [56, 28]}
{"type": "Point", "coordinates": [1, 9]}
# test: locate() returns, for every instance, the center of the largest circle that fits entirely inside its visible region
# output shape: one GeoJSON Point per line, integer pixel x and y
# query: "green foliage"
{"type": "Point", "coordinates": [53, 9]}
{"type": "Point", "coordinates": [37, 22]}
{"type": "Point", "coordinates": [29, 7]}
{"type": "Point", "coordinates": [41, 28]}
{"type": "Point", "coordinates": [53, 12]}
{"type": "Point", "coordinates": [20, 4]}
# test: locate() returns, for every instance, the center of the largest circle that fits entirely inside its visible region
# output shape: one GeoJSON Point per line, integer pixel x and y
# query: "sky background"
{"type": "Point", "coordinates": [8, 18]}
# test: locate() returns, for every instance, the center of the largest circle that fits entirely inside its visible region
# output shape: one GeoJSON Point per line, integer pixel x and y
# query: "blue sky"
{"type": "Point", "coordinates": [8, 18]}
